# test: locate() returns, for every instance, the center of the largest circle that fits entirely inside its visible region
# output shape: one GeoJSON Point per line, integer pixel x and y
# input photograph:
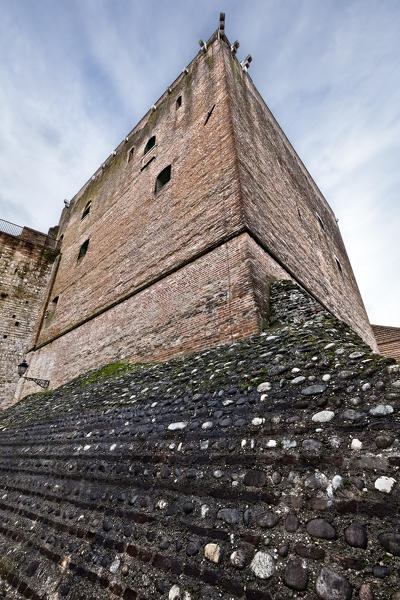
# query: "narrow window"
{"type": "Point", "coordinates": [86, 210]}
{"type": "Point", "coordinates": [178, 102]}
{"type": "Point", "coordinates": [320, 221]}
{"type": "Point", "coordinates": [150, 144]}
{"type": "Point", "coordinates": [83, 249]}
{"type": "Point", "coordinates": [130, 153]}
{"type": "Point", "coordinates": [163, 178]}
{"type": "Point", "coordinates": [339, 266]}
{"type": "Point", "coordinates": [52, 307]}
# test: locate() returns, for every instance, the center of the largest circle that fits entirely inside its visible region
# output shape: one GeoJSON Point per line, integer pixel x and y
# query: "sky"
{"type": "Point", "coordinates": [77, 75]}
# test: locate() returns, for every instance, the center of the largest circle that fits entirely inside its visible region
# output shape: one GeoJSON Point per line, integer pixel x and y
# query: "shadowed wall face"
{"type": "Point", "coordinates": [25, 266]}
{"type": "Point", "coordinates": [284, 209]}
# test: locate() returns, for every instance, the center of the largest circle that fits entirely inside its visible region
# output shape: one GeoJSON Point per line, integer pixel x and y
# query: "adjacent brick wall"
{"type": "Point", "coordinates": [388, 340]}
{"type": "Point", "coordinates": [25, 265]}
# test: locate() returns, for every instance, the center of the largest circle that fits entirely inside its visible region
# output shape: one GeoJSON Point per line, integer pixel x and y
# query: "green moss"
{"type": "Point", "coordinates": [7, 566]}
{"type": "Point", "coordinates": [210, 61]}
{"type": "Point", "coordinates": [111, 370]}
{"type": "Point", "coordinates": [152, 119]}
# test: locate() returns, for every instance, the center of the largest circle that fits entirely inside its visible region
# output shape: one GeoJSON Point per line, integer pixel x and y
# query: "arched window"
{"type": "Point", "coordinates": [178, 102]}
{"type": "Point", "coordinates": [163, 178]}
{"type": "Point", "coordinates": [86, 210]}
{"type": "Point", "coordinates": [83, 249]}
{"type": "Point", "coordinates": [150, 144]}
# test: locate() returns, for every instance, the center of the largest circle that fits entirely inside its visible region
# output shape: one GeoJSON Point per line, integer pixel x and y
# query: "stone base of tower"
{"type": "Point", "coordinates": [217, 298]}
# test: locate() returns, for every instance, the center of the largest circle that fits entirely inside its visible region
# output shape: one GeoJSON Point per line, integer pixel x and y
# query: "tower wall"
{"type": "Point", "coordinates": [25, 266]}
{"type": "Point", "coordinates": [283, 208]}
{"type": "Point", "coordinates": [189, 266]}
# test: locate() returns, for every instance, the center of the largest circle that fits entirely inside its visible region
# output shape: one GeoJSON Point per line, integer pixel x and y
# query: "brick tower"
{"type": "Point", "coordinates": [171, 246]}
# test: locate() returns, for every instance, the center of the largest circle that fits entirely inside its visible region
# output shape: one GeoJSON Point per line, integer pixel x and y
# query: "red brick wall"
{"type": "Point", "coordinates": [208, 302]}
{"type": "Point", "coordinates": [24, 272]}
{"type": "Point", "coordinates": [135, 234]}
{"type": "Point", "coordinates": [388, 340]}
{"type": "Point", "coordinates": [281, 203]}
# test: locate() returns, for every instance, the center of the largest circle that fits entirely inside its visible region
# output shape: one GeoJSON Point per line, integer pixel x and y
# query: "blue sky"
{"type": "Point", "coordinates": [77, 75]}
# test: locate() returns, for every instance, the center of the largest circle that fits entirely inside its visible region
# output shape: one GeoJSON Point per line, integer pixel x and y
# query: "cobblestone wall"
{"type": "Point", "coordinates": [264, 469]}
{"type": "Point", "coordinates": [25, 265]}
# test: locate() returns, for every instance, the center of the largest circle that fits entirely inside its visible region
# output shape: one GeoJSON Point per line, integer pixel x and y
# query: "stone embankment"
{"type": "Point", "coordinates": [265, 469]}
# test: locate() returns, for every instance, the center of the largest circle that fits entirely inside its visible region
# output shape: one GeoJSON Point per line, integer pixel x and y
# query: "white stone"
{"type": "Point", "coordinates": [381, 410]}
{"type": "Point", "coordinates": [337, 481]}
{"type": "Point", "coordinates": [394, 369]}
{"type": "Point", "coordinates": [113, 446]}
{"type": "Point", "coordinates": [243, 443]}
{"type": "Point", "coordinates": [263, 565]}
{"type": "Point", "coordinates": [174, 593]}
{"type": "Point", "coordinates": [162, 504]}
{"type": "Point", "coordinates": [326, 377]}
{"type": "Point", "coordinates": [328, 346]}
{"type": "Point", "coordinates": [212, 552]}
{"type": "Point", "coordinates": [271, 337]}
{"type": "Point", "coordinates": [286, 444]}
{"type": "Point", "coordinates": [204, 509]}
{"type": "Point", "coordinates": [356, 444]}
{"type": "Point", "coordinates": [207, 425]}
{"type": "Point", "coordinates": [385, 484]}
{"type": "Point", "coordinates": [258, 421]}
{"type": "Point", "coordinates": [365, 387]}
{"type": "Point", "coordinates": [271, 444]}
{"type": "Point", "coordinates": [115, 565]}
{"type": "Point", "coordinates": [298, 380]}
{"type": "Point", "coordinates": [263, 397]}
{"type": "Point", "coordinates": [204, 445]}
{"type": "Point", "coordinates": [264, 387]}
{"type": "Point", "coordinates": [86, 447]}
{"type": "Point", "coordinates": [295, 370]}
{"type": "Point", "coordinates": [177, 426]}
{"type": "Point", "coordinates": [396, 384]}
{"type": "Point", "coordinates": [323, 417]}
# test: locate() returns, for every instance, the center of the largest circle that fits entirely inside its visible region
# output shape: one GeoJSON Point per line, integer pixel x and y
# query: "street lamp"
{"type": "Point", "coordinates": [23, 367]}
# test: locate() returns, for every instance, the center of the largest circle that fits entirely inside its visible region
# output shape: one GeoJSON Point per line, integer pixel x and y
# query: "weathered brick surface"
{"type": "Point", "coordinates": [208, 302]}
{"type": "Point", "coordinates": [25, 265]}
{"type": "Point", "coordinates": [136, 235]}
{"type": "Point", "coordinates": [388, 340]}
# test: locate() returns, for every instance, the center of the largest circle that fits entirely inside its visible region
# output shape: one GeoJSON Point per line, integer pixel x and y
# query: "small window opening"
{"type": "Point", "coordinates": [5, 337]}
{"type": "Point", "coordinates": [52, 307]}
{"type": "Point", "coordinates": [16, 323]}
{"type": "Point", "coordinates": [163, 178]}
{"type": "Point", "coordinates": [86, 210]}
{"type": "Point", "coordinates": [150, 144]}
{"type": "Point", "coordinates": [320, 221]}
{"type": "Point", "coordinates": [4, 295]}
{"type": "Point", "coordinates": [339, 266]}
{"type": "Point", "coordinates": [83, 249]}
{"type": "Point", "coordinates": [13, 317]}
{"type": "Point", "coordinates": [130, 153]}
{"type": "Point", "coordinates": [178, 102]}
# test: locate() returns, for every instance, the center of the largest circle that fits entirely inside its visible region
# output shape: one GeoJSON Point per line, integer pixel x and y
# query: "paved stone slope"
{"type": "Point", "coordinates": [265, 469]}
